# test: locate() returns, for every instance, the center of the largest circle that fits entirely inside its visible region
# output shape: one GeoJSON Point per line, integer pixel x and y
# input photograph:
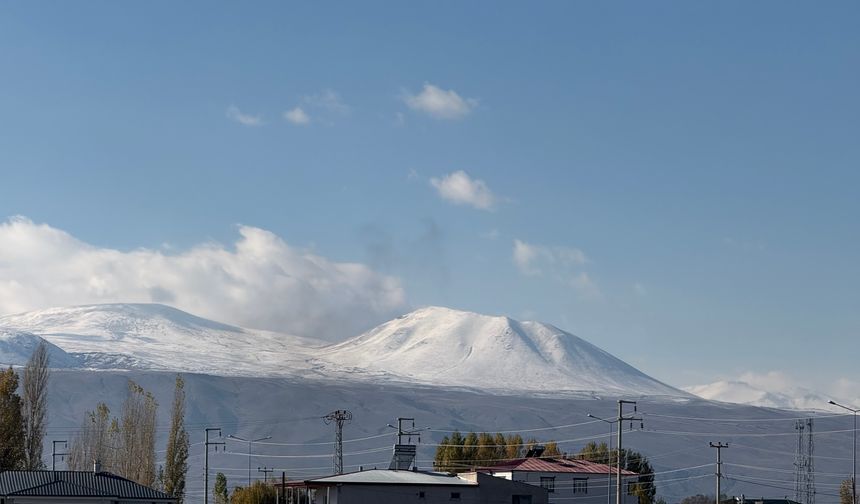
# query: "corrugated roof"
{"type": "Point", "coordinates": [391, 477]}
{"type": "Point", "coordinates": [556, 465]}
{"type": "Point", "coordinates": [75, 484]}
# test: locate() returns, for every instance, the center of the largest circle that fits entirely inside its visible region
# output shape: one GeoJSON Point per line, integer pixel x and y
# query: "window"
{"type": "Point", "coordinates": [455, 495]}
{"type": "Point", "coordinates": [580, 485]}
{"type": "Point", "coordinates": [548, 482]}
{"type": "Point", "coordinates": [421, 494]}
{"type": "Point", "coordinates": [521, 499]}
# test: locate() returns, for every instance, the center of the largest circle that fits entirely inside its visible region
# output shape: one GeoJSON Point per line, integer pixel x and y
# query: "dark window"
{"type": "Point", "coordinates": [421, 494]}
{"type": "Point", "coordinates": [580, 485]}
{"type": "Point", "coordinates": [455, 495]}
{"type": "Point", "coordinates": [548, 482]}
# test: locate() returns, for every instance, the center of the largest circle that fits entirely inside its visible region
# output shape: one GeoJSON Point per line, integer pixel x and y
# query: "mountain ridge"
{"type": "Point", "coordinates": [431, 346]}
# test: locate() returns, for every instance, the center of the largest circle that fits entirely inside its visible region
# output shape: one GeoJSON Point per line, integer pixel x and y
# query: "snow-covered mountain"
{"type": "Point", "coordinates": [743, 392]}
{"type": "Point", "coordinates": [455, 348]}
{"type": "Point", "coordinates": [430, 347]}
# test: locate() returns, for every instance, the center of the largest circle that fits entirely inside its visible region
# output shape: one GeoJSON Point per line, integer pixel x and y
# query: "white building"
{"type": "Point", "coordinates": [566, 480]}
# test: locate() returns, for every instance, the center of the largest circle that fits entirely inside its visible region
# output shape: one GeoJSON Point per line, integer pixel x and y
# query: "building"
{"type": "Point", "coordinates": [567, 480]}
{"type": "Point", "coordinates": [79, 487]}
{"type": "Point", "coordinates": [391, 486]}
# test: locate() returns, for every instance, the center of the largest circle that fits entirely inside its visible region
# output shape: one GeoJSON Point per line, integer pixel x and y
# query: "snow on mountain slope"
{"type": "Point", "coordinates": [448, 347]}
{"type": "Point", "coordinates": [431, 346]}
{"type": "Point", "coordinates": [16, 347]}
{"type": "Point", "coordinates": [153, 336]}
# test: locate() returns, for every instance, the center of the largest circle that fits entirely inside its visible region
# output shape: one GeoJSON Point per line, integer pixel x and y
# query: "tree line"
{"type": "Point", "coordinates": [124, 446]}
{"type": "Point", "coordinates": [459, 453]}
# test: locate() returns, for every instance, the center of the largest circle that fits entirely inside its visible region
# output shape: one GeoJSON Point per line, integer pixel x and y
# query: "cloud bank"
{"type": "Point", "coordinates": [561, 263]}
{"type": "Point", "coordinates": [260, 282]}
{"type": "Point", "coordinates": [459, 188]}
{"type": "Point", "coordinates": [440, 104]}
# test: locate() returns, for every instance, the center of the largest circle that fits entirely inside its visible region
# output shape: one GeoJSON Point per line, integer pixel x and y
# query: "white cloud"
{"type": "Point", "coordinates": [561, 263]}
{"type": "Point", "coordinates": [237, 115]}
{"type": "Point", "coordinates": [534, 259]}
{"type": "Point", "coordinates": [440, 104]}
{"type": "Point", "coordinates": [260, 282]}
{"type": "Point", "coordinates": [297, 116]}
{"type": "Point", "coordinates": [461, 189]}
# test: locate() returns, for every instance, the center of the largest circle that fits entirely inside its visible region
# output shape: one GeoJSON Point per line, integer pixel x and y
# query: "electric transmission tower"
{"type": "Point", "coordinates": [804, 467]}
{"type": "Point", "coordinates": [339, 418]}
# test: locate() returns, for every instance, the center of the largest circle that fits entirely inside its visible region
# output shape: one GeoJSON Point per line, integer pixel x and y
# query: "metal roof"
{"type": "Point", "coordinates": [75, 484]}
{"type": "Point", "coordinates": [556, 465]}
{"type": "Point", "coordinates": [392, 477]}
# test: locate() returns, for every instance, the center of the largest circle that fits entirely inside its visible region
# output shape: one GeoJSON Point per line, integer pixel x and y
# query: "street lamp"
{"type": "Point", "coordinates": [609, 455]}
{"type": "Point", "coordinates": [854, 464]}
{"type": "Point", "coordinates": [249, 441]}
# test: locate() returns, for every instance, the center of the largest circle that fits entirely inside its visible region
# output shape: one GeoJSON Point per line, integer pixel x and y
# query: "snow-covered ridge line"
{"type": "Point", "coordinates": [430, 346]}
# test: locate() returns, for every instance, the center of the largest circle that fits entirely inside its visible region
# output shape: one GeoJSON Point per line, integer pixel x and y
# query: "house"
{"type": "Point", "coordinates": [80, 487]}
{"type": "Point", "coordinates": [392, 486]}
{"type": "Point", "coordinates": [568, 480]}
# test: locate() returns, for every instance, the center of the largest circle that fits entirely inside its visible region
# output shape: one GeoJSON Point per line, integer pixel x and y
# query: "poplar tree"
{"type": "Point", "coordinates": [176, 463]}
{"type": "Point", "coordinates": [12, 453]}
{"type": "Point", "coordinates": [35, 405]}
{"type": "Point", "coordinates": [220, 489]}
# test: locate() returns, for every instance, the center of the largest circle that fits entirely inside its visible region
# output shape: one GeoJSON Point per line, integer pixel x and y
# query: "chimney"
{"type": "Point", "coordinates": [97, 466]}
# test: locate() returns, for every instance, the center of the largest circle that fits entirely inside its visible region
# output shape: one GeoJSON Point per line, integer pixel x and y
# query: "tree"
{"type": "Point", "coordinates": [644, 487]}
{"type": "Point", "coordinates": [258, 493]}
{"type": "Point", "coordinates": [513, 446]}
{"type": "Point", "coordinates": [698, 499]}
{"type": "Point", "coordinates": [846, 491]}
{"type": "Point", "coordinates": [35, 404]}
{"type": "Point", "coordinates": [12, 452]}
{"type": "Point", "coordinates": [220, 489]}
{"type": "Point", "coordinates": [96, 441]}
{"type": "Point", "coordinates": [176, 463]}
{"type": "Point", "coordinates": [137, 439]}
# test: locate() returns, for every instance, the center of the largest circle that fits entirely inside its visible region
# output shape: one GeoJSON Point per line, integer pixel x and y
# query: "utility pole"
{"type": "Point", "coordinates": [338, 417]}
{"type": "Point", "coordinates": [265, 470]}
{"type": "Point", "coordinates": [249, 441]}
{"type": "Point", "coordinates": [55, 454]}
{"type": "Point", "coordinates": [621, 418]}
{"type": "Point", "coordinates": [206, 444]}
{"type": "Point", "coordinates": [719, 446]}
{"type": "Point", "coordinates": [402, 432]}
{"type": "Point", "coordinates": [854, 456]}
{"type": "Point", "coordinates": [609, 456]}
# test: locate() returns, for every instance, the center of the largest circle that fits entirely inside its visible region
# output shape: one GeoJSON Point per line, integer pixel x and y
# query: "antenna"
{"type": "Point", "coordinates": [55, 454]}
{"type": "Point", "coordinates": [338, 417]}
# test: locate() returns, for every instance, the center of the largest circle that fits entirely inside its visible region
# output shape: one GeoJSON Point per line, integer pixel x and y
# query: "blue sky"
{"type": "Point", "coordinates": [681, 177]}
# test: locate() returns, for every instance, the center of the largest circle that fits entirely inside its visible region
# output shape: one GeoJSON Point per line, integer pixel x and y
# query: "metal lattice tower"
{"type": "Point", "coordinates": [338, 417]}
{"type": "Point", "coordinates": [804, 467]}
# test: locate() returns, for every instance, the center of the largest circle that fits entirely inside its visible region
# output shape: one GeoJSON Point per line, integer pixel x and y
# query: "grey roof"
{"type": "Point", "coordinates": [75, 484]}
{"type": "Point", "coordinates": [392, 477]}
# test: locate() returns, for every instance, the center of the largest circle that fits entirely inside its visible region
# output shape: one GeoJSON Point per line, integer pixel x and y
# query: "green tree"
{"type": "Point", "coordinates": [846, 491]}
{"type": "Point", "coordinates": [644, 487]}
{"type": "Point", "coordinates": [258, 493]}
{"type": "Point", "coordinates": [455, 452]}
{"type": "Point", "coordinates": [12, 449]}
{"type": "Point", "coordinates": [470, 449]}
{"type": "Point", "coordinates": [176, 463]}
{"type": "Point", "coordinates": [513, 446]}
{"type": "Point", "coordinates": [486, 453]}
{"type": "Point", "coordinates": [551, 450]}
{"type": "Point", "coordinates": [220, 489]}
{"type": "Point", "coordinates": [440, 460]}
{"type": "Point", "coordinates": [35, 405]}
{"type": "Point", "coordinates": [501, 448]}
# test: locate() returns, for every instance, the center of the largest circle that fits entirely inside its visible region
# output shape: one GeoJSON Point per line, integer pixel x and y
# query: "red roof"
{"type": "Point", "coordinates": [555, 465]}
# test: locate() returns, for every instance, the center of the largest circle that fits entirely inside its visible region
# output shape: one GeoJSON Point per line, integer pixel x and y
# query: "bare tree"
{"type": "Point", "coordinates": [137, 449]}
{"type": "Point", "coordinates": [96, 442]}
{"type": "Point", "coordinates": [34, 404]}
